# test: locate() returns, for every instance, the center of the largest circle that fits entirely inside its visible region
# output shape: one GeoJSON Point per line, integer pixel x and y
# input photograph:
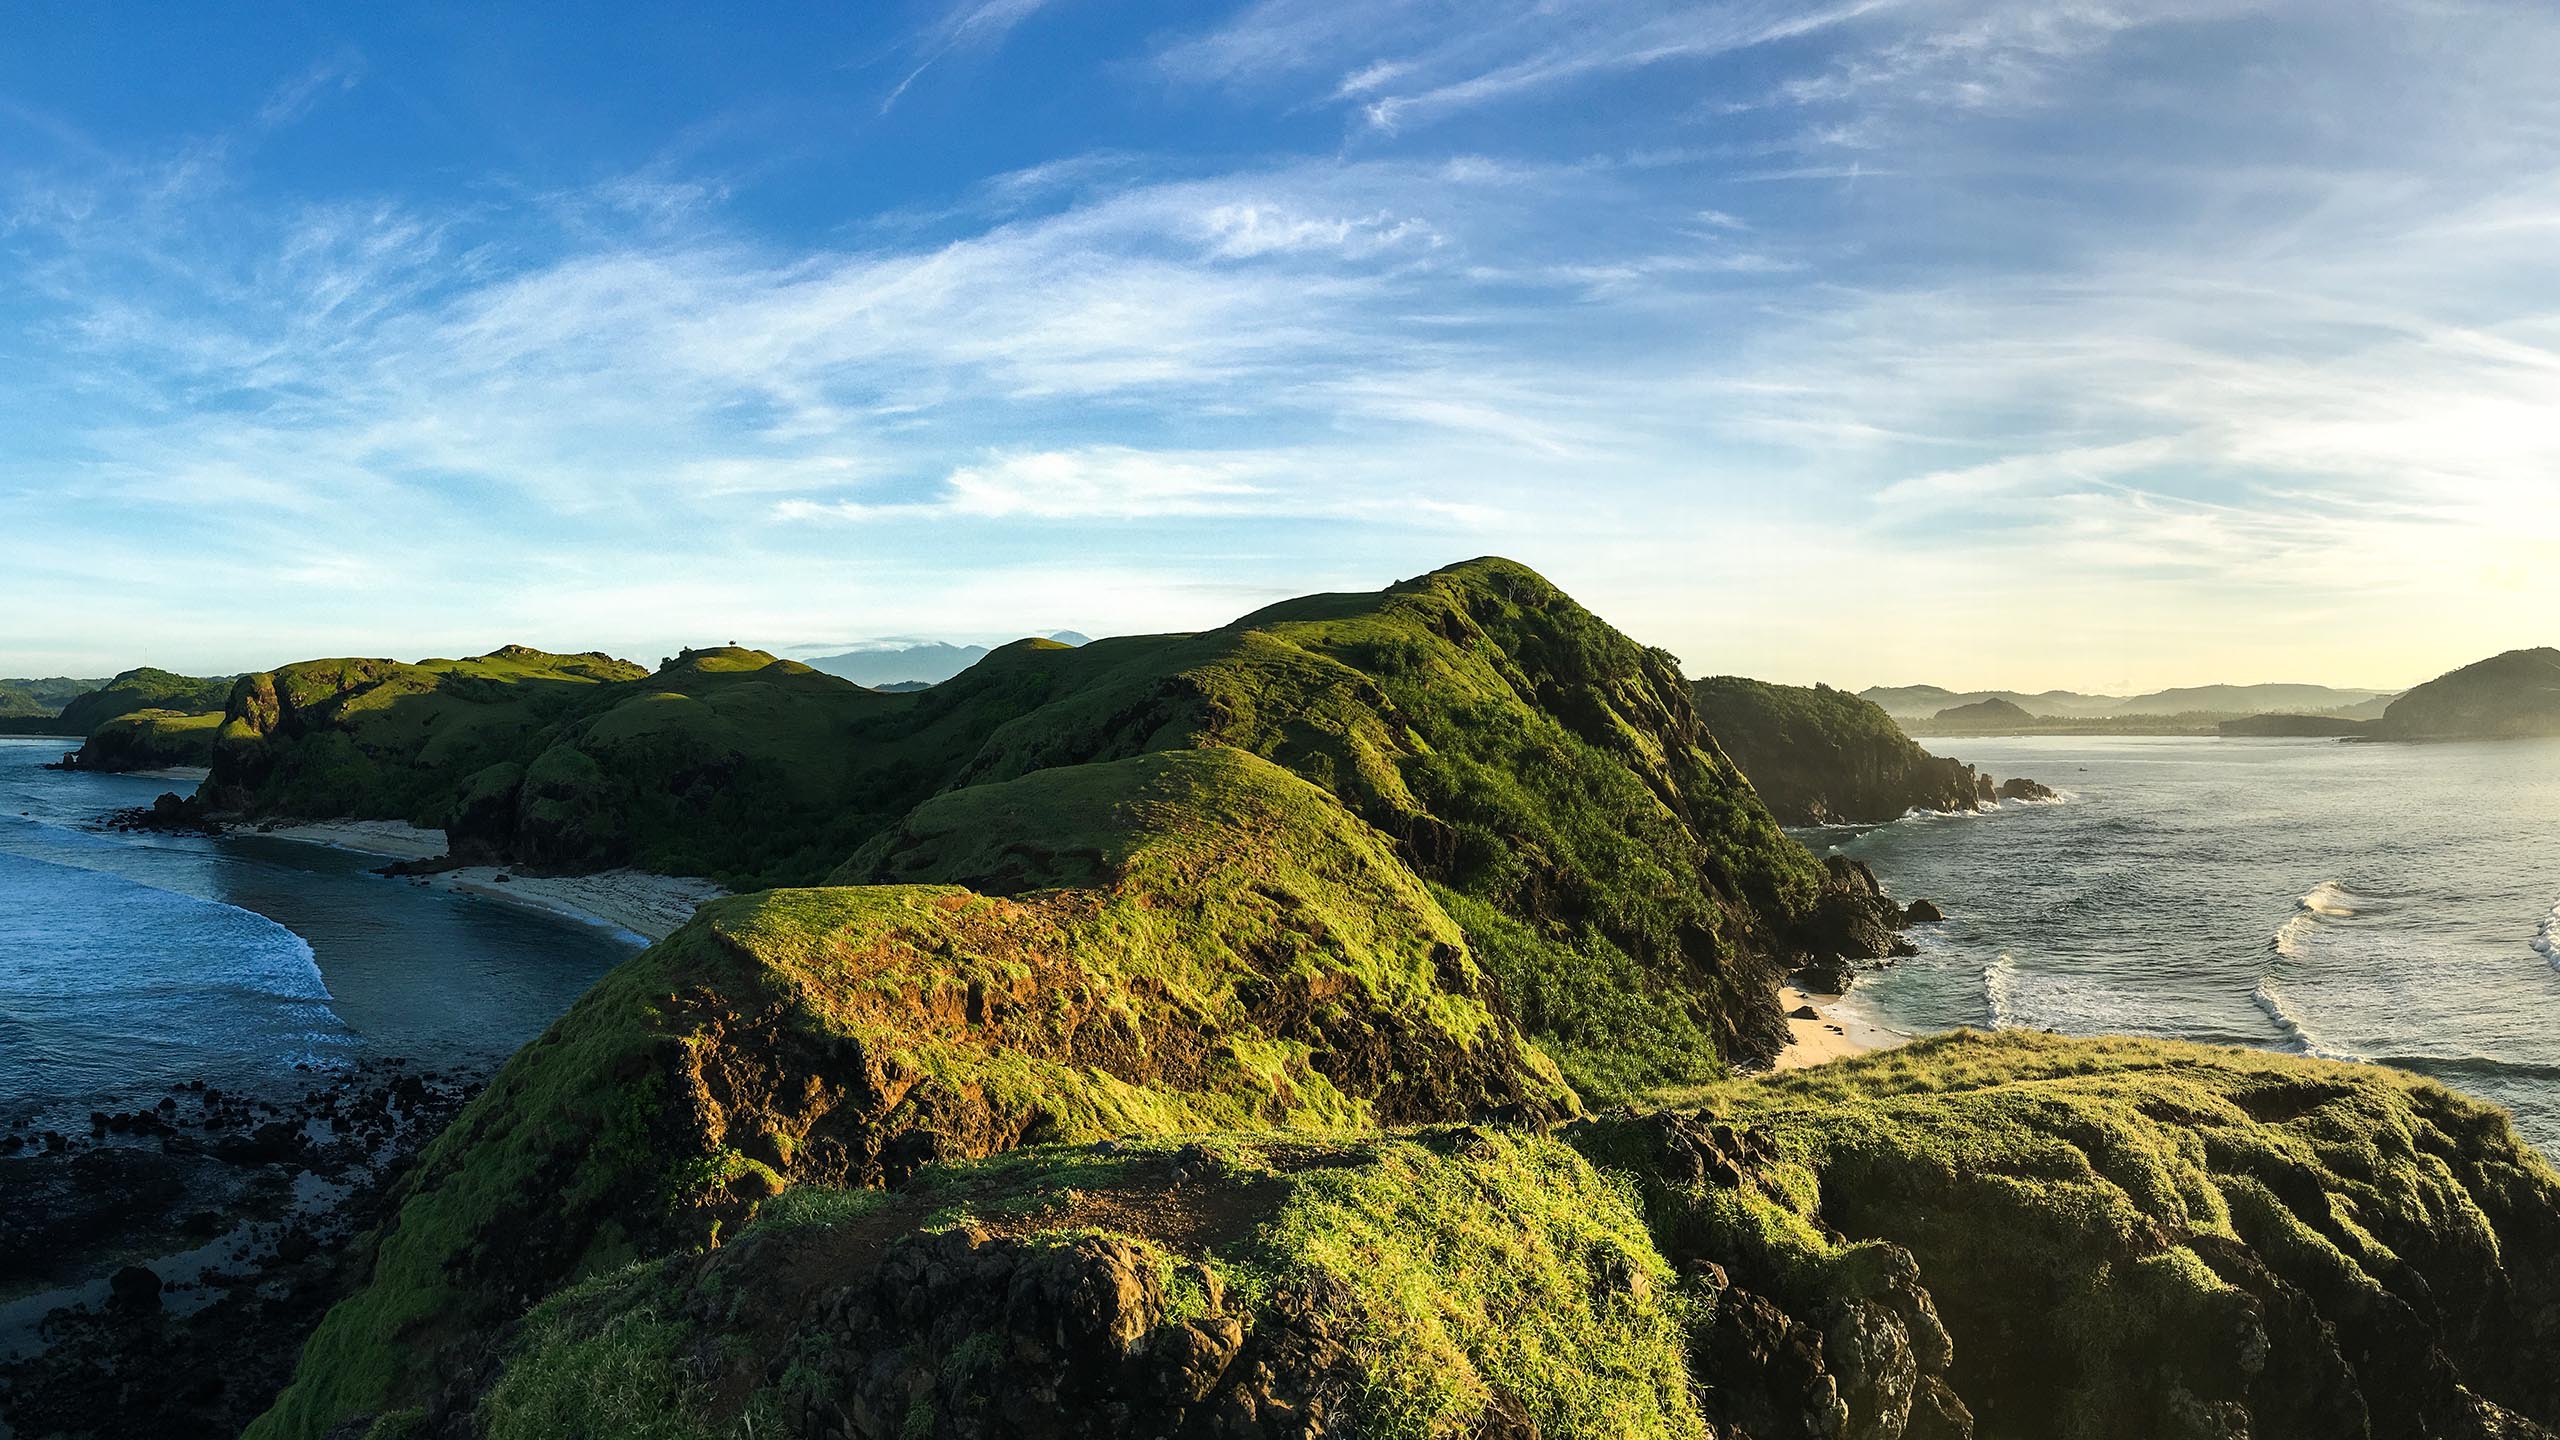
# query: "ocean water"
{"type": "Point", "coordinates": [2389, 903]}
{"type": "Point", "coordinates": [131, 962]}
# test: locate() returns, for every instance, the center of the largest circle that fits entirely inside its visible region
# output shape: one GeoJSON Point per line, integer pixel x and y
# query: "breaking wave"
{"type": "Point", "coordinates": [2289, 1023]}
{"type": "Point", "coordinates": [2546, 941]}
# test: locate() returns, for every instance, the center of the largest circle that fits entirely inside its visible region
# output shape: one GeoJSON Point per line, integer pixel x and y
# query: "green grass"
{"type": "Point", "coordinates": [1501, 1270]}
{"type": "Point", "coordinates": [1508, 1268]}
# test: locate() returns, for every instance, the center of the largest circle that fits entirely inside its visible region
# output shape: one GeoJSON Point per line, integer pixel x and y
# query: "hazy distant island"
{"type": "Point", "coordinates": [1349, 1020]}
{"type": "Point", "coordinates": [2509, 696]}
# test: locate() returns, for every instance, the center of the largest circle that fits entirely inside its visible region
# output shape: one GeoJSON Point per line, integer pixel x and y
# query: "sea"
{"type": "Point", "coordinates": [130, 962]}
{"type": "Point", "coordinates": [2392, 904]}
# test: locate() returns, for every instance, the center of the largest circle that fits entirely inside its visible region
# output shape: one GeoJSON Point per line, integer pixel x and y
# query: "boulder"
{"type": "Point", "coordinates": [135, 1287]}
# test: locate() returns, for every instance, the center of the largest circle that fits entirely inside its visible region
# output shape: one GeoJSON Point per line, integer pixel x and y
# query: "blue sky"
{"type": "Point", "coordinates": [2048, 342]}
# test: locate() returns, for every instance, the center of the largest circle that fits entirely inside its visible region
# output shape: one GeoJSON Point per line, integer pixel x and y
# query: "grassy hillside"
{"type": "Point", "coordinates": [1823, 756]}
{"type": "Point", "coordinates": [1066, 1094]}
{"type": "Point", "coordinates": [1192, 941]}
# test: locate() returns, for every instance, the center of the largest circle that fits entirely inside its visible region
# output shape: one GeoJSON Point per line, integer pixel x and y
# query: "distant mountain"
{"type": "Point", "coordinates": [1924, 702]}
{"type": "Point", "coordinates": [914, 666]}
{"type": "Point", "coordinates": [2515, 694]}
{"type": "Point", "coordinates": [28, 698]}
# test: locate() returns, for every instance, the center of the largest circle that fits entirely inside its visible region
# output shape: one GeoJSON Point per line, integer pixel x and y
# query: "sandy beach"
{"type": "Point", "coordinates": [1826, 1035]}
{"type": "Point", "coordinates": [633, 901]}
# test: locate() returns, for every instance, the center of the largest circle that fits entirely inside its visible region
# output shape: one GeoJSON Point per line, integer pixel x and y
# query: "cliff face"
{"type": "Point", "coordinates": [1823, 756]}
{"type": "Point", "coordinates": [2505, 697]}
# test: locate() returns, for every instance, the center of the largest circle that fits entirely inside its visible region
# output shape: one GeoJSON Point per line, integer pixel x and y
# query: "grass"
{"type": "Point", "coordinates": [1498, 1271]}
{"type": "Point", "coordinates": [1507, 1269]}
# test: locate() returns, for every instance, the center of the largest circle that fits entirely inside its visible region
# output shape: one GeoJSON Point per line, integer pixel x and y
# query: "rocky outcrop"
{"type": "Point", "coordinates": [1853, 926]}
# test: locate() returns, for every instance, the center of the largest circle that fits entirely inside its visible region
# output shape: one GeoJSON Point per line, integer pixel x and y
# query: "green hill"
{"type": "Point", "coordinates": [1356, 859]}
{"type": "Point", "coordinates": [1824, 756]}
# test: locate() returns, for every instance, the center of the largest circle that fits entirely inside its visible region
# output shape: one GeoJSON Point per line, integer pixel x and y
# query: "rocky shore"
{"type": "Point", "coordinates": [198, 1234]}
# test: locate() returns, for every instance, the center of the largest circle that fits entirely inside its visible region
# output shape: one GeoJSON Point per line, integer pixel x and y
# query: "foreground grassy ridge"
{"type": "Point", "coordinates": [1238, 952]}
{"type": "Point", "coordinates": [1464, 1278]}
{"type": "Point", "coordinates": [2133, 1239]}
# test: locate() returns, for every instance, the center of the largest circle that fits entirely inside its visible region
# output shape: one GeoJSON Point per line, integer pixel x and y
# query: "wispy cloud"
{"type": "Point", "coordinates": [964, 25]}
{"type": "Point", "coordinates": [2075, 327]}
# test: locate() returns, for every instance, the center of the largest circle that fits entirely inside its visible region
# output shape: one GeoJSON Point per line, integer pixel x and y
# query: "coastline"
{"type": "Point", "coordinates": [645, 906]}
{"type": "Point", "coordinates": [1826, 1034]}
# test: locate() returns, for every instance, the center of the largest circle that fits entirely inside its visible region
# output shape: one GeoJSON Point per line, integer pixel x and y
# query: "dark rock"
{"type": "Point", "coordinates": [2019, 787]}
{"type": "Point", "coordinates": [135, 1287]}
{"type": "Point", "coordinates": [1923, 912]}
{"type": "Point", "coordinates": [1804, 1012]}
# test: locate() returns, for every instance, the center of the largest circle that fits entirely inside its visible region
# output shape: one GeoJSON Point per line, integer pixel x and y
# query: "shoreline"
{"type": "Point", "coordinates": [636, 903]}
{"type": "Point", "coordinates": [1826, 1034]}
